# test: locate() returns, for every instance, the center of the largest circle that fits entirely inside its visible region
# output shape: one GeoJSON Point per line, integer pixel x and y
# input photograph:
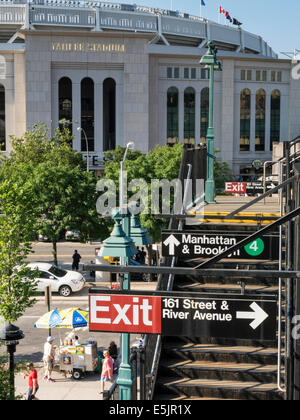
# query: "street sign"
{"type": "Point", "coordinates": [184, 314]}
{"type": "Point", "coordinates": [235, 187]}
{"type": "Point", "coordinates": [252, 188]}
{"type": "Point", "coordinates": [193, 244]}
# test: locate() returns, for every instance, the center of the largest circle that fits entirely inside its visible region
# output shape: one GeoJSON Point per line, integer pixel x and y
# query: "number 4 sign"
{"type": "Point", "coordinates": [255, 248]}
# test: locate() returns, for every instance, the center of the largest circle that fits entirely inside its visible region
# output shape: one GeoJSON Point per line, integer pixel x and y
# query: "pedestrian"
{"type": "Point", "coordinates": [48, 359]}
{"type": "Point", "coordinates": [76, 259]}
{"type": "Point", "coordinates": [107, 370]}
{"type": "Point", "coordinates": [138, 256]}
{"type": "Point", "coordinates": [33, 385]}
{"type": "Point", "coordinates": [113, 352]}
{"type": "Point", "coordinates": [143, 256]}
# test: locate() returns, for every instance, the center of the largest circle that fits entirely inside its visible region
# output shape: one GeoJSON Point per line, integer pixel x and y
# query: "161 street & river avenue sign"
{"type": "Point", "coordinates": [193, 244]}
{"type": "Point", "coordinates": [183, 314]}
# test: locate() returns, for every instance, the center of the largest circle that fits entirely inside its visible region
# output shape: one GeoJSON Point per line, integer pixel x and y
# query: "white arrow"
{"type": "Point", "coordinates": [171, 242]}
{"type": "Point", "coordinates": [258, 314]}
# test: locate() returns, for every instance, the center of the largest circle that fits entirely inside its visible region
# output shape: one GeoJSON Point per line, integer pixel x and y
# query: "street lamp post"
{"type": "Point", "coordinates": [80, 129]}
{"type": "Point", "coordinates": [120, 245]}
{"type": "Point", "coordinates": [211, 62]}
{"type": "Point", "coordinates": [10, 336]}
{"type": "Point", "coordinates": [129, 146]}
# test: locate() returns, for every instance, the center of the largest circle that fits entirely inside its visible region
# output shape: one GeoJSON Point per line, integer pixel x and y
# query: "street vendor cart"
{"type": "Point", "coordinates": [78, 360]}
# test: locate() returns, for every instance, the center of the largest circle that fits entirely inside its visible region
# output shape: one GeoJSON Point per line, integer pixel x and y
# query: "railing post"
{"type": "Point", "coordinates": [296, 197]}
{"type": "Point", "coordinates": [289, 284]}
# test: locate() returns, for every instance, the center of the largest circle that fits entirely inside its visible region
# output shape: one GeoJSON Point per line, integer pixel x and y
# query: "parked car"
{"type": "Point", "coordinates": [43, 238]}
{"type": "Point", "coordinates": [65, 282]}
{"type": "Point", "coordinates": [72, 235]}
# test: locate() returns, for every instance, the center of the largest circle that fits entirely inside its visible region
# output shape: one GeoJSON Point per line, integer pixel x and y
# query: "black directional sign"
{"type": "Point", "coordinates": [184, 314]}
{"type": "Point", "coordinates": [193, 244]}
{"type": "Point", "coordinates": [226, 316]}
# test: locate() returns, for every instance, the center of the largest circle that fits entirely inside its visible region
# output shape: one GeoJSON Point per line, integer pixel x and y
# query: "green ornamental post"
{"type": "Point", "coordinates": [119, 244]}
{"type": "Point", "coordinates": [210, 61]}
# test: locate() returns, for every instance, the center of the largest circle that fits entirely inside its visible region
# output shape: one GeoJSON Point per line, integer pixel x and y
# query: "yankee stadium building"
{"type": "Point", "coordinates": [126, 72]}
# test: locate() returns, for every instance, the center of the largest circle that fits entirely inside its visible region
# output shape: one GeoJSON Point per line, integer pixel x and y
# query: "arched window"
{"type": "Point", "coordinates": [65, 101]}
{"type": "Point", "coordinates": [87, 115]}
{"type": "Point", "coordinates": [275, 117]}
{"type": "Point", "coordinates": [260, 120]}
{"type": "Point", "coordinates": [204, 115]}
{"type": "Point", "coordinates": [245, 118]}
{"type": "Point", "coordinates": [172, 116]}
{"type": "Point", "coordinates": [2, 119]}
{"type": "Point", "coordinates": [109, 114]}
{"type": "Point", "coordinates": [189, 115]}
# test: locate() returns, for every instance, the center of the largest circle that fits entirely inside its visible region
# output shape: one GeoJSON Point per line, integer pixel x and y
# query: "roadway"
{"type": "Point", "coordinates": [31, 347]}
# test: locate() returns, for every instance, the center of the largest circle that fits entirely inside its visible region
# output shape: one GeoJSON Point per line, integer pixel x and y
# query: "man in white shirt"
{"type": "Point", "coordinates": [48, 358]}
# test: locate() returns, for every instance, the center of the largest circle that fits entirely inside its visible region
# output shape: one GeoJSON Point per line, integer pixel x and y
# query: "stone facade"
{"type": "Point", "coordinates": [140, 71]}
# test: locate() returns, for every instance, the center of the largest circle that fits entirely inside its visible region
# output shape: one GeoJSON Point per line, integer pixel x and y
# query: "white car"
{"type": "Point", "coordinates": [62, 281]}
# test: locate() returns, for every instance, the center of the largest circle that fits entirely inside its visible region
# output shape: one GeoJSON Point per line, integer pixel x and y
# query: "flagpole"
{"type": "Point", "coordinates": [201, 8]}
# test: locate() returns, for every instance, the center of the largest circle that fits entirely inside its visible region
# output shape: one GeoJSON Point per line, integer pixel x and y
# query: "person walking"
{"type": "Point", "coordinates": [107, 370]}
{"type": "Point", "coordinates": [76, 260]}
{"type": "Point", "coordinates": [33, 385]}
{"type": "Point", "coordinates": [48, 359]}
{"type": "Point", "coordinates": [113, 352]}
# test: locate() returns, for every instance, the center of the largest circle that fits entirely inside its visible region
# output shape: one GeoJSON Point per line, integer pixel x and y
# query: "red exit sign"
{"type": "Point", "coordinates": [236, 187]}
{"type": "Point", "coordinates": [124, 313]}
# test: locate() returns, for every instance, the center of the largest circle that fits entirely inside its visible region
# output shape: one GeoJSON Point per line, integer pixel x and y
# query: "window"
{"type": "Point", "coordinates": [273, 76]}
{"type": "Point", "coordinates": [189, 116]}
{"type": "Point", "coordinates": [275, 118]}
{"type": "Point", "coordinates": [2, 119]}
{"type": "Point", "coordinates": [245, 118]}
{"type": "Point", "coordinates": [65, 102]}
{"type": "Point", "coordinates": [44, 275]}
{"type": "Point", "coordinates": [260, 120]}
{"type": "Point", "coordinates": [172, 116]}
{"type": "Point", "coordinates": [87, 115]}
{"type": "Point", "coordinates": [204, 74]}
{"type": "Point", "coordinates": [186, 73]}
{"type": "Point", "coordinates": [169, 73]}
{"type": "Point", "coordinates": [243, 74]}
{"type": "Point", "coordinates": [264, 76]}
{"type": "Point", "coordinates": [57, 271]}
{"type": "Point", "coordinates": [204, 114]}
{"type": "Point", "coordinates": [279, 77]}
{"type": "Point", "coordinates": [258, 76]}
{"type": "Point", "coordinates": [249, 75]}
{"type": "Point", "coordinates": [193, 73]}
{"type": "Point", "coordinates": [109, 114]}
{"type": "Point", "coordinates": [176, 73]}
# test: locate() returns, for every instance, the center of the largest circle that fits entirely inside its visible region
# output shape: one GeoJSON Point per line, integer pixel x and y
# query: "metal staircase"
{"type": "Point", "coordinates": [194, 368]}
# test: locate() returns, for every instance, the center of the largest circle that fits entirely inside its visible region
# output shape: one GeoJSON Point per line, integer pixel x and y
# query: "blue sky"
{"type": "Point", "coordinates": [277, 21]}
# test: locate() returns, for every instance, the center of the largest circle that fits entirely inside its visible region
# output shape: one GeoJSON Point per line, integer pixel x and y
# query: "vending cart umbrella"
{"type": "Point", "coordinates": [73, 318]}
{"type": "Point", "coordinates": [49, 320]}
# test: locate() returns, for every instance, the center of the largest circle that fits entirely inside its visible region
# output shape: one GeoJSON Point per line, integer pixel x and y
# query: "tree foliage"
{"type": "Point", "coordinates": [64, 193]}
{"type": "Point", "coordinates": [163, 162]}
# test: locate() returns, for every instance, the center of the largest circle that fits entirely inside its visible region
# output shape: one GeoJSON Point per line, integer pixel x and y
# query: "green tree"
{"type": "Point", "coordinates": [163, 162]}
{"type": "Point", "coordinates": [17, 285]}
{"type": "Point", "coordinates": [222, 174]}
{"type": "Point", "coordinates": [64, 192]}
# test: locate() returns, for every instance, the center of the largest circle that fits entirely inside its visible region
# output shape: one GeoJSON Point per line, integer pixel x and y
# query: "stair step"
{"type": "Point", "coordinates": [210, 388]}
{"type": "Point", "coordinates": [230, 354]}
{"type": "Point", "coordinates": [225, 288]}
{"type": "Point", "coordinates": [221, 370]}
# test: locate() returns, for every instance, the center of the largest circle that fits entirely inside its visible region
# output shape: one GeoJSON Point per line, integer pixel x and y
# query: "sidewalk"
{"type": "Point", "coordinates": [64, 389]}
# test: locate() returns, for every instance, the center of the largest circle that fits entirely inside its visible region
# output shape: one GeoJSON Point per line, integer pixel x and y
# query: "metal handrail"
{"type": "Point", "coordinates": [157, 352]}
{"type": "Point", "coordinates": [263, 196]}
